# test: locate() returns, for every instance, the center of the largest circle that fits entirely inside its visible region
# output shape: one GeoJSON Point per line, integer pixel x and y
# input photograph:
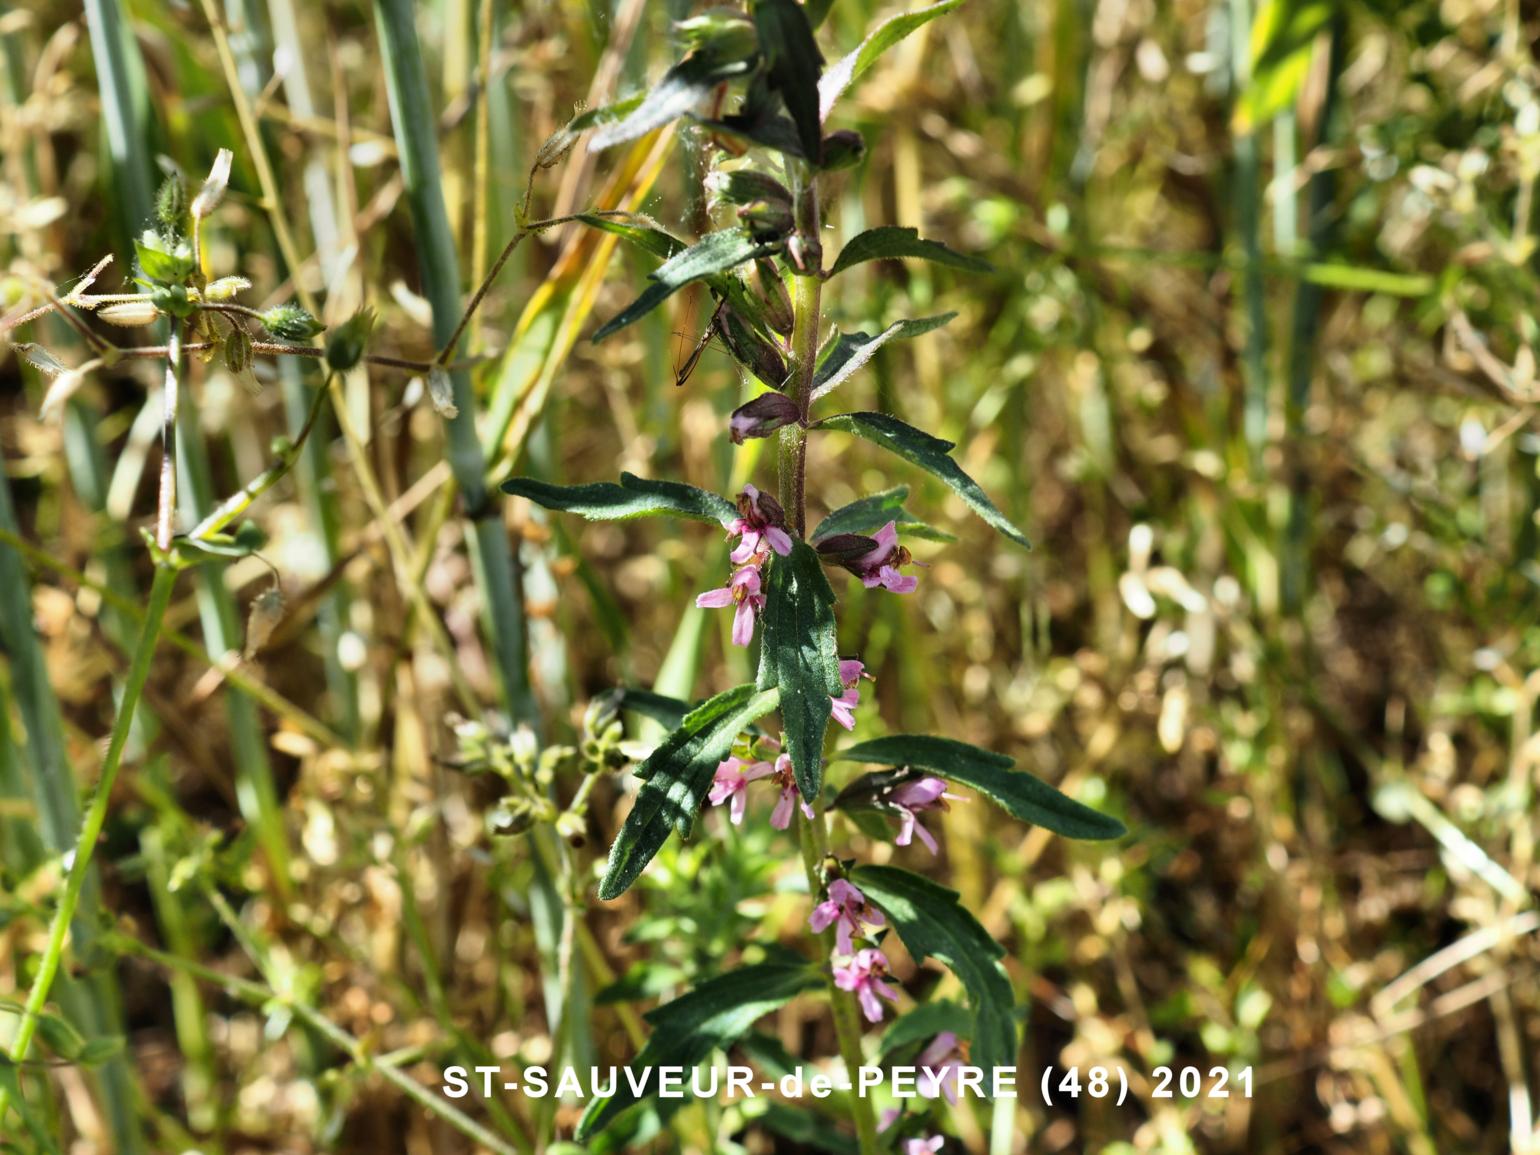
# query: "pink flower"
{"type": "Point", "coordinates": [922, 1146]}
{"type": "Point", "coordinates": [780, 817]}
{"type": "Point", "coordinates": [879, 565]}
{"type": "Point", "coordinates": [843, 708]}
{"type": "Point", "coordinates": [847, 909]}
{"type": "Point", "coordinates": [732, 782]}
{"type": "Point", "coordinates": [914, 797]}
{"type": "Point", "coordinates": [888, 1117]}
{"type": "Point", "coordinates": [761, 523]}
{"type": "Point", "coordinates": [943, 1059]}
{"type": "Point", "coordinates": [743, 590]}
{"type": "Point", "coordinates": [863, 975]}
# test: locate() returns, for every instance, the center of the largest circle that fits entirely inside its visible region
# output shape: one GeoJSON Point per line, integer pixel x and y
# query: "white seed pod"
{"type": "Point", "coordinates": [441, 392]}
{"type": "Point", "coordinates": [266, 613]}
{"type": "Point", "coordinates": [129, 314]}
{"type": "Point", "coordinates": [213, 190]}
{"type": "Point", "coordinates": [225, 288]}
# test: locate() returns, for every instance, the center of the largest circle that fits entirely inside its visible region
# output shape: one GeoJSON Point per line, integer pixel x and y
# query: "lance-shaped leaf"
{"type": "Point", "coordinates": [685, 1032]}
{"type": "Point", "coordinates": [678, 776]}
{"type": "Point", "coordinates": [867, 515]}
{"type": "Point", "coordinates": [993, 775]}
{"type": "Point", "coordinates": [892, 243]}
{"type": "Point", "coordinates": [854, 350]}
{"type": "Point", "coordinates": [799, 656]}
{"type": "Point", "coordinates": [932, 923]}
{"type": "Point", "coordinates": [929, 453]}
{"type": "Point", "coordinates": [639, 231]}
{"type": "Point", "coordinates": [713, 254]}
{"type": "Point", "coordinates": [786, 40]}
{"type": "Point", "coordinates": [849, 69]}
{"type": "Point", "coordinates": [632, 497]}
{"type": "Point", "coordinates": [684, 87]}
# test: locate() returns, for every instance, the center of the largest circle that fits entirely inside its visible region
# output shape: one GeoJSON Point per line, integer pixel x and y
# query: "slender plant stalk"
{"type": "Point", "coordinates": [92, 1003]}
{"type": "Point", "coordinates": [417, 144]}
{"type": "Point", "coordinates": [96, 818]}
{"type": "Point", "coordinates": [792, 461]}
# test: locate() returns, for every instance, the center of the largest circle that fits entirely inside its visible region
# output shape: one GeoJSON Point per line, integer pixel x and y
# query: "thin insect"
{"type": "Point", "coordinates": [682, 374]}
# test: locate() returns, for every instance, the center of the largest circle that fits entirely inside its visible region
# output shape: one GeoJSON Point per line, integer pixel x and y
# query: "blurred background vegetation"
{"type": "Point", "coordinates": [1255, 370]}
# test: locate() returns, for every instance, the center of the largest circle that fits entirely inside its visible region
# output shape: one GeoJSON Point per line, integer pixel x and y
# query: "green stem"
{"type": "Point", "coordinates": [842, 1004]}
{"type": "Point", "coordinates": [807, 305]}
{"type": "Point", "coordinates": [95, 820]}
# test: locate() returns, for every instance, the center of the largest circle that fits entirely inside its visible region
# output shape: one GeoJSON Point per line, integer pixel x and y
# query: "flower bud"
{"type": "Point", "coordinates": [745, 187]}
{"type": "Point", "coordinates": [761, 416]}
{"type": "Point", "coordinates": [237, 350]}
{"type": "Point", "coordinates": [291, 323]}
{"type": "Point", "coordinates": [170, 203]}
{"type": "Point", "coordinates": [751, 350]}
{"type": "Point", "coordinates": [345, 344]}
{"type": "Point", "coordinates": [773, 296]}
{"type": "Point", "coordinates": [130, 314]}
{"type": "Point", "coordinates": [843, 149]}
{"type": "Point", "coordinates": [213, 190]}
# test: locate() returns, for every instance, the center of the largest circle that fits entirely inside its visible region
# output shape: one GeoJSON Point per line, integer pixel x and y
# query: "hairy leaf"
{"type": "Point", "coordinates": [993, 775]}
{"type": "Point", "coordinates": [932, 923]}
{"type": "Point", "coordinates": [713, 254]}
{"type": "Point", "coordinates": [929, 453]}
{"type": "Point", "coordinates": [854, 350]}
{"type": "Point", "coordinates": [786, 40]}
{"type": "Point", "coordinates": [678, 775]}
{"type": "Point", "coordinates": [632, 497]}
{"type": "Point", "coordinates": [866, 515]}
{"type": "Point", "coordinates": [683, 87]}
{"type": "Point", "coordinates": [849, 69]}
{"type": "Point", "coordinates": [713, 1016]}
{"type": "Point", "coordinates": [799, 656]}
{"type": "Point", "coordinates": [891, 243]}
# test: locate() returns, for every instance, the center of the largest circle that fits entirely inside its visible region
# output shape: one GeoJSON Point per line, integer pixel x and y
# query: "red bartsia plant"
{"type": "Point", "coordinates": [766, 268]}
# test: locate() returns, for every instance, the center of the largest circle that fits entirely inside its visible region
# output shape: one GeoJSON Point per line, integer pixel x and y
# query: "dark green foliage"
{"type": "Point", "coordinates": [932, 923]}
{"type": "Point", "coordinates": [993, 775]}
{"type": "Point", "coordinates": [799, 656]}
{"type": "Point", "coordinates": [632, 497]}
{"type": "Point", "coordinates": [929, 453]}
{"type": "Point", "coordinates": [714, 1015]}
{"type": "Point", "coordinates": [677, 776]}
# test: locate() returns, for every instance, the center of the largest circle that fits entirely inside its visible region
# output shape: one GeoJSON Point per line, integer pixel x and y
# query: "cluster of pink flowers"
{"type": "Point", "coordinates": [731, 785]}
{"type": "Point", "coordinates": [760, 527]}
